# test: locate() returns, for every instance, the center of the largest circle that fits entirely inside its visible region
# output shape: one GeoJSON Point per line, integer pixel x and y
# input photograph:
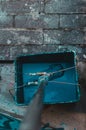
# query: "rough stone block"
{"type": "Point", "coordinates": [84, 35]}
{"type": "Point", "coordinates": [31, 49]}
{"type": "Point", "coordinates": [73, 21]}
{"type": "Point", "coordinates": [52, 36]}
{"type": "Point", "coordinates": [19, 37]}
{"type": "Point", "coordinates": [63, 37]}
{"type": "Point", "coordinates": [5, 19]}
{"type": "Point", "coordinates": [85, 38]}
{"type": "Point", "coordinates": [42, 4]}
{"type": "Point", "coordinates": [7, 72]}
{"type": "Point", "coordinates": [36, 49]}
{"type": "Point", "coordinates": [65, 6]}
{"type": "Point", "coordinates": [37, 21]}
{"type": "Point", "coordinates": [50, 21]}
{"type": "Point", "coordinates": [4, 53]}
{"type": "Point", "coordinates": [72, 37]}
{"type": "Point", "coordinates": [23, 6]}
{"type": "Point", "coordinates": [11, 52]}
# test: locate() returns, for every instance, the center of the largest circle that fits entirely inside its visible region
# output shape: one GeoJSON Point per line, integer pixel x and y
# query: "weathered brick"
{"type": "Point", "coordinates": [5, 19]}
{"type": "Point", "coordinates": [73, 21]}
{"type": "Point", "coordinates": [4, 53]}
{"type": "Point", "coordinates": [50, 21]}
{"type": "Point", "coordinates": [85, 37]}
{"type": "Point", "coordinates": [35, 49]}
{"type": "Point", "coordinates": [31, 49]}
{"type": "Point", "coordinates": [52, 37]}
{"type": "Point", "coordinates": [37, 21]}
{"type": "Point", "coordinates": [63, 37]}
{"type": "Point", "coordinates": [72, 37]}
{"type": "Point", "coordinates": [11, 37]}
{"type": "Point", "coordinates": [11, 52]}
{"type": "Point", "coordinates": [84, 30]}
{"type": "Point", "coordinates": [41, 6]}
{"type": "Point", "coordinates": [7, 72]}
{"type": "Point", "coordinates": [65, 6]}
{"type": "Point", "coordinates": [23, 6]}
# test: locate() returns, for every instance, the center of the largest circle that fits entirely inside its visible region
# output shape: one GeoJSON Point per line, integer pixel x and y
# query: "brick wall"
{"type": "Point", "coordinates": [37, 26]}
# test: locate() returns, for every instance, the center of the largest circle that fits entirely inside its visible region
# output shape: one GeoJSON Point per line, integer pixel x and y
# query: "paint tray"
{"type": "Point", "coordinates": [62, 87]}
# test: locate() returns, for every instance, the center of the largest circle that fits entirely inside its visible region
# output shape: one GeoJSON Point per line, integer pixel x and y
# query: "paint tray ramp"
{"type": "Point", "coordinates": [62, 85]}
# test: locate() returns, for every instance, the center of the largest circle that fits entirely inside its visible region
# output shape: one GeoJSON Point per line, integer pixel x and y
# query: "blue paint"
{"type": "Point", "coordinates": [8, 123]}
{"type": "Point", "coordinates": [54, 92]}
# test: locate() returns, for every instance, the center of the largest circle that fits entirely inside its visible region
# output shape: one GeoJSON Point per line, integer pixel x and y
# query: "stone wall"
{"type": "Point", "coordinates": [38, 26]}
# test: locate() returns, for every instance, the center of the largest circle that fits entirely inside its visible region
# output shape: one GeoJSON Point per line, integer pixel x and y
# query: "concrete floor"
{"type": "Point", "coordinates": [68, 116]}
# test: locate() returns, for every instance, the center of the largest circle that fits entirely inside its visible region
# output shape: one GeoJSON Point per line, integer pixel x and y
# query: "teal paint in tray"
{"type": "Point", "coordinates": [56, 91]}
{"type": "Point", "coordinates": [8, 123]}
